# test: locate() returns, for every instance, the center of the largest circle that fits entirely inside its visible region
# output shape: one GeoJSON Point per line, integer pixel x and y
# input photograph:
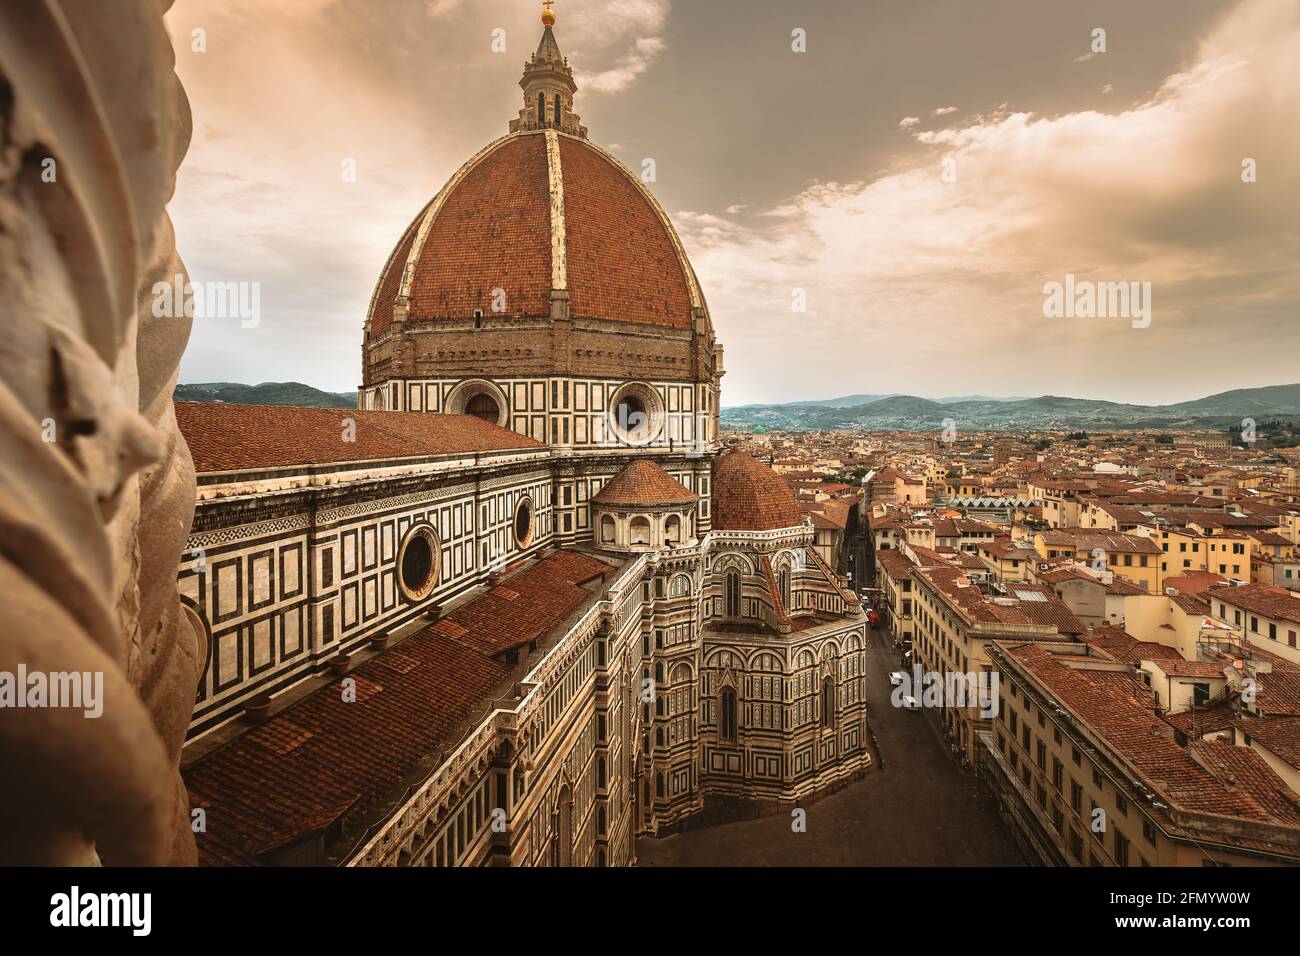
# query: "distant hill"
{"type": "Point", "coordinates": [1247, 402]}
{"type": "Point", "coordinates": [845, 401]}
{"type": "Point", "coordinates": [904, 412]}
{"type": "Point", "coordinates": [849, 401]}
{"type": "Point", "coordinates": [267, 393]}
{"type": "Point", "coordinates": [953, 399]}
{"type": "Point", "coordinates": [905, 405]}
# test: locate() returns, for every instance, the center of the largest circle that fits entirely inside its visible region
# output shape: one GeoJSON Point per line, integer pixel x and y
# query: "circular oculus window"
{"type": "Point", "coordinates": [418, 563]}
{"type": "Point", "coordinates": [479, 398]}
{"type": "Point", "coordinates": [634, 414]}
{"type": "Point", "coordinates": [483, 406]}
{"type": "Point", "coordinates": [523, 523]}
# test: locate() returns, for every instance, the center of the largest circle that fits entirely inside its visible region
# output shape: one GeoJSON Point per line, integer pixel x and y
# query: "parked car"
{"type": "Point", "coordinates": [910, 703]}
{"type": "Point", "coordinates": [897, 677]}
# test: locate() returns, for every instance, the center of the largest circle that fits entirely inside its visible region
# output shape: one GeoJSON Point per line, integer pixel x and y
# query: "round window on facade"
{"type": "Point", "coordinates": [418, 563]}
{"type": "Point", "coordinates": [202, 638]}
{"type": "Point", "coordinates": [523, 525]}
{"type": "Point", "coordinates": [635, 414]}
{"type": "Point", "coordinates": [483, 406]}
{"type": "Point", "coordinates": [479, 398]}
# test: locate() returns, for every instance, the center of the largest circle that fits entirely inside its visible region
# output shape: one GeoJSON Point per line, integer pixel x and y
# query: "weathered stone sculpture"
{"type": "Point", "coordinates": [96, 485]}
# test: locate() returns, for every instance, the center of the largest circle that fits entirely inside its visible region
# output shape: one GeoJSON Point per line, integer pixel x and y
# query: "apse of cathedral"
{"type": "Point", "coordinates": [518, 608]}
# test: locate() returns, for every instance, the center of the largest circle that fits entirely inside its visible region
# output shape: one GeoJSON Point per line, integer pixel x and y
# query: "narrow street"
{"type": "Point", "coordinates": [919, 809]}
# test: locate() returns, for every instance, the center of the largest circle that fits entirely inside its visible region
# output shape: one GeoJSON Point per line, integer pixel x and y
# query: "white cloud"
{"type": "Point", "coordinates": [907, 122]}
{"type": "Point", "coordinates": [630, 30]}
{"type": "Point", "coordinates": [290, 89]}
{"type": "Point", "coordinates": [441, 8]}
{"type": "Point", "coordinates": [944, 110]}
{"type": "Point", "coordinates": [906, 264]}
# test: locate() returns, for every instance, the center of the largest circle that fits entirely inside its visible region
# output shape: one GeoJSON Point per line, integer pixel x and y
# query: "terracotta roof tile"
{"type": "Point", "coordinates": [493, 231]}
{"type": "Point", "coordinates": [227, 437]}
{"type": "Point", "coordinates": [621, 262]}
{"type": "Point", "coordinates": [321, 758]}
{"type": "Point", "coordinates": [895, 562]}
{"type": "Point", "coordinates": [1198, 721]}
{"type": "Point", "coordinates": [1204, 778]}
{"type": "Point", "coordinates": [1281, 735]}
{"type": "Point", "coordinates": [324, 758]}
{"type": "Point", "coordinates": [644, 483]}
{"type": "Point", "coordinates": [1261, 599]}
{"type": "Point", "coordinates": [1123, 646]}
{"type": "Point", "coordinates": [1279, 693]}
{"type": "Point", "coordinates": [391, 281]}
{"type": "Point", "coordinates": [749, 496]}
{"type": "Point", "coordinates": [1090, 539]}
{"type": "Point", "coordinates": [527, 606]}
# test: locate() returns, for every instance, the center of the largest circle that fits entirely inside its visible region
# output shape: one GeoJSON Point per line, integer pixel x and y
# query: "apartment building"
{"type": "Point", "coordinates": [1262, 616]}
{"type": "Point", "coordinates": [1191, 549]}
{"type": "Point", "coordinates": [1008, 560]}
{"type": "Point", "coordinates": [1134, 557]}
{"type": "Point", "coordinates": [954, 622]}
{"type": "Point", "coordinates": [1062, 504]}
{"type": "Point", "coordinates": [1089, 773]}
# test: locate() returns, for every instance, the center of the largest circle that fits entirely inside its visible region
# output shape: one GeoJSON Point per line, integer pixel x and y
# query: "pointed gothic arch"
{"type": "Point", "coordinates": [562, 847]}
{"type": "Point", "coordinates": [727, 710]}
{"type": "Point", "coordinates": [731, 594]}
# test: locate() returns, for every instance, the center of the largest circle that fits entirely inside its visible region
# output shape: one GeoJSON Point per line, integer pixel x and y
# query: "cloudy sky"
{"type": "Point", "coordinates": [916, 176]}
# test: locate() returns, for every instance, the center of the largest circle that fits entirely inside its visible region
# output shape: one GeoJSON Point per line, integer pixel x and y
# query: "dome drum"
{"type": "Point", "coordinates": [642, 529]}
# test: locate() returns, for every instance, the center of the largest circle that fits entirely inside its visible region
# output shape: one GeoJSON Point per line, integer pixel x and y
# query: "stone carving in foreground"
{"type": "Point", "coordinates": [96, 485]}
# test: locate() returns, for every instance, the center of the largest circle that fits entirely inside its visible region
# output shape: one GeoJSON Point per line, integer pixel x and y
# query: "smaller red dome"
{"type": "Point", "coordinates": [749, 496]}
{"type": "Point", "coordinates": [644, 484]}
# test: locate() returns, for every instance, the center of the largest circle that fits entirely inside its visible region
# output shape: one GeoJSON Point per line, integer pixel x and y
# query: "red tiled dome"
{"type": "Point", "coordinates": [644, 483]}
{"type": "Point", "coordinates": [749, 496]}
{"type": "Point", "coordinates": [492, 227]}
